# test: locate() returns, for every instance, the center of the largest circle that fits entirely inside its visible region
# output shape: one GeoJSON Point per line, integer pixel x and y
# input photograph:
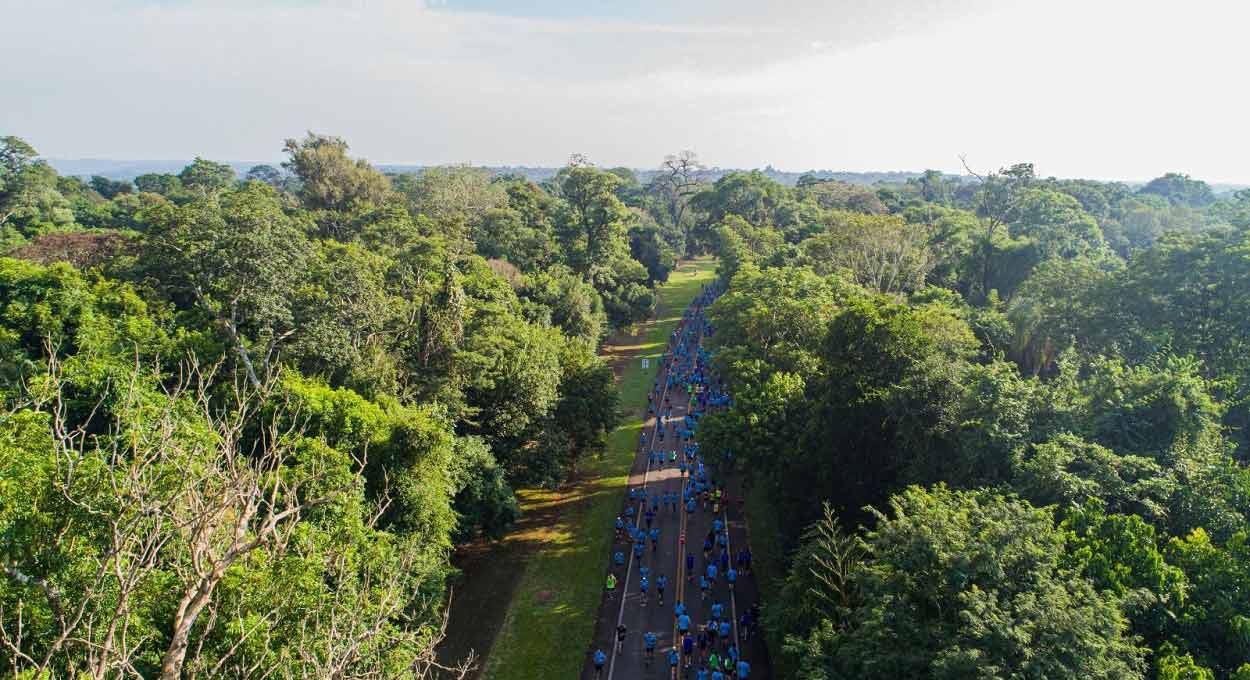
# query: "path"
{"type": "Point", "coordinates": [624, 606]}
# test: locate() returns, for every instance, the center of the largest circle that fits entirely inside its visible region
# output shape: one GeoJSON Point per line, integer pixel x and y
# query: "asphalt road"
{"type": "Point", "coordinates": [626, 606]}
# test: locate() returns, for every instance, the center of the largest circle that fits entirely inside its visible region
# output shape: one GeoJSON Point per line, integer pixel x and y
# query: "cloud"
{"type": "Point", "coordinates": [1114, 88]}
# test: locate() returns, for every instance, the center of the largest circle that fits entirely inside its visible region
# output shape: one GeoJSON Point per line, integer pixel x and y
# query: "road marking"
{"type": "Point", "coordinates": [620, 616]}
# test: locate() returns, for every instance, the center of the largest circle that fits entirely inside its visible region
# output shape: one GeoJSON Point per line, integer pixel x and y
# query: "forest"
{"type": "Point", "coordinates": [993, 426]}
{"type": "Point", "coordinates": [994, 429]}
{"type": "Point", "coordinates": [245, 419]}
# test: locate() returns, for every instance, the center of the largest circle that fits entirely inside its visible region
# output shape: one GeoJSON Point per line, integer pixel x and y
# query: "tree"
{"type": "Point", "coordinates": [674, 185]}
{"type": "Point", "coordinates": [239, 259]}
{"type": "Point", "coordinates": [163, 184]}
{"type": "Point", "coordinates": [1180, 188]}
{"type": "Point", "coordinates": [592, 225]}
{"type": "Point", "coordinates": [207, 176]}
{"type": "Point", "coordinates": [328, 178]}
{"type": "Point", "coordinates": [267, 174]}
{"type": "Point", "coordinates": [881, 252]}
{"type": "Point", "coordinates": [456, 198]}
{"type": "Point", "coordinates": [109, 188]}
{"type": "Point", "coordinates": [207, 537]}
{"type": "Point", "coordinates": [968, 584]}
{"type": "Point", "coordinates": [997, 203]}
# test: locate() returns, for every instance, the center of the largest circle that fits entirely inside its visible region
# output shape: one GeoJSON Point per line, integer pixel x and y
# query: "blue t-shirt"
{"type": "Point", "coordinates": [717, 675]}
{"type": "Point", "coordinates": [744, 669]}
{"type": "Point", "coordinates": [683, 622]}
{"type": "Point", "coordinates": [687, 644]}
{"type": "Point", "coordinates": [703, 582]}
{"type": "Point", "coordinates": [619, 557]}
{"type": "Point", "coordinates": [725, 629]}
{"type": "Point", "coordinates": [702, 674]}
{"type": "Point", "coordinates": [661, 581]}
{"type": "Point", "coordinates": [600, 657]}
{"type": "Point", "coordinates": [644, 584]}
{"type": "Point", "coordinates": [716, 610]}
{"type": "Point", "coordinates": [673, 657]}
{"type": "Point", "coordinates": [679, 609]}
{"type": "Point", "coordinates": [732, 575]}
{"type": "Point", "coordinates": [711, 572]}
{"type": "Point", "coordinates": [649, 639]}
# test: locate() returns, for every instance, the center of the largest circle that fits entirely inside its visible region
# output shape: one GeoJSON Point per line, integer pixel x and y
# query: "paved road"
{"type": "Point", "coordinates": [626, 606]}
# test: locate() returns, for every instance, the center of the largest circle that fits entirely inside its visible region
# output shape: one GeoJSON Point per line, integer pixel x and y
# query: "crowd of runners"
{"type": "Point", "coordinates": [706, 633]}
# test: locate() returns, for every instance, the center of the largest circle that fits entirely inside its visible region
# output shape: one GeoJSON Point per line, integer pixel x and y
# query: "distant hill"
{"type": "Point", "coordinates": [129, 169]}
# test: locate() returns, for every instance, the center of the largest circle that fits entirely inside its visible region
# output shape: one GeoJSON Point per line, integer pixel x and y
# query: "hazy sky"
{"type": "Point", "coordinates": [1125, 89]}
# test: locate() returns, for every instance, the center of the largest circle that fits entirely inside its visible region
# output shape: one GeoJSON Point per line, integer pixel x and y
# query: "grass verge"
{"type": "Point", "coordinates": [551, 618]}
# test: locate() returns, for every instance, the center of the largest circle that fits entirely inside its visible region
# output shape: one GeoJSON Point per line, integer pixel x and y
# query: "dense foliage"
{"type": "Point", "coordinates": [244, 420]}
{"type": "Point", "coordinates": [1024, 402]}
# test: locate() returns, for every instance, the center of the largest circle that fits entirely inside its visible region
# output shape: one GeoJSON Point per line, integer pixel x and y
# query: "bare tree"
{"type": "Point", "coordinates": [183, 484]}
{"type": "Point", "coordinates": [677, 181]}
{"type": "Point", "coordinates": [997, 204]}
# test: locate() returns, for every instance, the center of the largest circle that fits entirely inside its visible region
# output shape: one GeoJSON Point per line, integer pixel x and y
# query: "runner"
{"type": "Point", "coordinates": [600, 659]}
{"type": "Point", "coordinates": [660, 582]}
{"type": "Point", "coordinates": [648, 642]}
{"type": "Point", "coordinates": [621, 631]}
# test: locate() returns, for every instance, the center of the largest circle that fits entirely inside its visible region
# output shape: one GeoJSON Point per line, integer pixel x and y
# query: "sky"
{"type": "Point", "coordinates": [1103, 89]}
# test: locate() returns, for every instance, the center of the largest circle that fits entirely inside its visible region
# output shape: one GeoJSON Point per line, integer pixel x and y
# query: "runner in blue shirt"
{"type": "Point", "coordinates": [620, 527]}
{"type": "Point", "coordinates": [600, 659]}
{"type": "Point", "coordinates": [701, 675]}
{"type": "Point", "coordinates": [724, 630]}
{"type": "Point", "coordinates": [689, 568]}
{"type": "Point", "coordinates": [692, 505]}
{"type": "Point", "coordinates": [711, 574]}
{"type": "Point", "coordinates": [673, 659]}
{"type": "Point", "coordinates": [687, 647]}
{"type": "Point", "coordinates": [717, 525]}
{"type": "Point", "coordinates": [683, 623]}
{"type": "Point", "coordinates": [717, 675]}
{"type": "Point", "coordinates": [655, 539]}
{"type": "Point", "coordinates": [638, 548]}
{"type": "Point", "coordinates": [703, 584]}
{"type": "Point", "coordinates": [648, 642]}
{"type": "Point", "coordinates": [643, 584]}
{"type": "Point", "coordinates": [619, 558]}
{"type": "Point", "coordinates": [731, 577]}
{"type": "Point", "coordinates": [717, 610]}
{"type": "Point", "coordinates": [678, 609]}
{"type": "Point", "coordinates": [661, 582]}
{"type": "Point", "coordinates": [744, 670]}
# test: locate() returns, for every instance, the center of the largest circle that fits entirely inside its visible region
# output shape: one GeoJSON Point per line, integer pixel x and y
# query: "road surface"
{"type": "Point", "coordinates": [625, 604]}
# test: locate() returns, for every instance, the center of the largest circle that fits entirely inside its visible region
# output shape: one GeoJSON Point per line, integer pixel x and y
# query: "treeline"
{"type": "Point", "coordinates": [997, 429]}
{"type": "Point", "coordinates": [245, 419]}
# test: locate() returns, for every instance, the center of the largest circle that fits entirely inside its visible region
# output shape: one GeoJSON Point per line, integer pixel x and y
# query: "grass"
{"type": "Point", "coordinates": [551, 618]}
